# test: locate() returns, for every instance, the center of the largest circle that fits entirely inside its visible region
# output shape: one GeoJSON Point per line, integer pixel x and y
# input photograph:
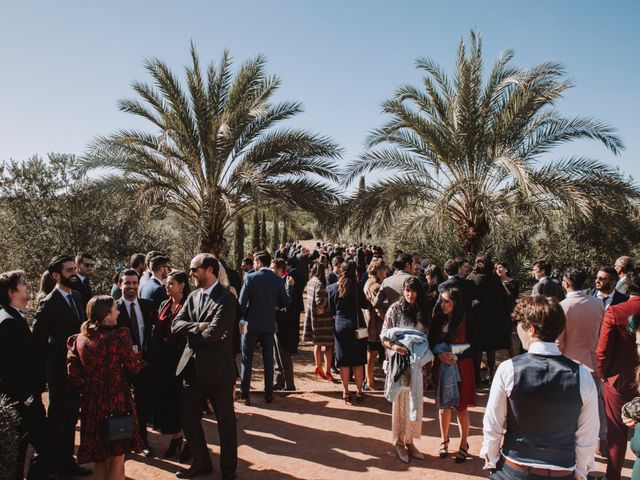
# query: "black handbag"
{"type": "Point", "coordinates": [117, 427]}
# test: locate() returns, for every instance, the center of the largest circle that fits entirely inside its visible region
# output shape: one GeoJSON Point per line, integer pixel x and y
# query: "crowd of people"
{"type": "Point", "coordinates": [161, 350]}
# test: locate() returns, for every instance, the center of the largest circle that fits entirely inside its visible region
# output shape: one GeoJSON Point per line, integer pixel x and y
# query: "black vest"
{"type": "Point", "coordinates": [543, 410]}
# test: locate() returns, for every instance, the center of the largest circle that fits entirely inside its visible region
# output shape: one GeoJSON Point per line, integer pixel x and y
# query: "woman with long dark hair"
{"type": "Point", "coordinates": [100, 361]}
{"type": "Point", "coordinates": [453, 373]}
{"type": "Point", "coordinates": [318, 324]}
{"type": "Point", "coordinates": [345, 301]}
{"type": "Point", "coordinates": [405, 324]}
{"type": "Point", "coordinates": [165, 353]}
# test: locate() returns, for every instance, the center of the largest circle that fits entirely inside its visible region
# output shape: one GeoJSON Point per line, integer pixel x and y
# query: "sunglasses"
{"type": "Point", "coordinates": [193, 269]}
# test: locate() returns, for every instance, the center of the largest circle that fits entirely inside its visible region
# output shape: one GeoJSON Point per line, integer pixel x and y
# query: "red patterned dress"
{"type": "Point", "coordinates": [88, 373]}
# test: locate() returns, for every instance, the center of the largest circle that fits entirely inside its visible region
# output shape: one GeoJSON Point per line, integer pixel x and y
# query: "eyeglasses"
{"type": "Point", "coordinates": [193, 269]}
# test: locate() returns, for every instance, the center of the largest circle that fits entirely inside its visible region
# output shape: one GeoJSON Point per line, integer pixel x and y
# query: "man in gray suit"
{"type": "Point", "coordinates": [207, 366]}
{"type": "Point", "coordinates": [391, 287]}
{"type": "Point", "coordinates": [546, 285]}
{"type": "Point", "coordinates": [623, 266]}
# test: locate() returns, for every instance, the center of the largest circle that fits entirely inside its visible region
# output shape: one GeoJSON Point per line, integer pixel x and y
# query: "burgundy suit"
{"type": "Point", "coordinates": [617, 359]}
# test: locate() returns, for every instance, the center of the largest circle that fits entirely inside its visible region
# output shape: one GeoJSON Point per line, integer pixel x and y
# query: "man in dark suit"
{"type": "Point", "coordinates": [617, 359]}
{"type": "Point", "coordinates": [469, 289]}
{"type": "Point", "coordinates": [59, 316]}
{"type": "Point", "coordinates": [153, 289]}
{"type": "Point", "coordinates": [85, 264]}
{"type": "Point", "coordinates": [139, 316]}
{"type": "Point", "coordinates": [20, 378]}
{"type": "Point", "coordinates": [262, 293]}
{"type": "Point", "coordinates": [208, 367]}
{"type": "Point", "coordinates": [605, 290]}
{"type": "Point", "coordinates": [545, 285]}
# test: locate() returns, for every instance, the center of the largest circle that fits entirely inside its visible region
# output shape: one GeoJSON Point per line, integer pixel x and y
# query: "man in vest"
{"type": "Point", "coordinates": [542, 414]}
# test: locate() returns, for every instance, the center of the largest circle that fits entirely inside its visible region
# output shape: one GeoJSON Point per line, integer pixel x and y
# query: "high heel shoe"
{"type": "Point", "coordinates": [444, 449]}
{"type": "Point", "coordinates": [319, 373]}
{"type": "Point", "coordinates": [347, 398]}
{"type": "Point", "coordinates": [174, 448]}
{"type": "Point", "coordinates": [328, 376]}
{"type": "Point", "coordinates": [462, 454]}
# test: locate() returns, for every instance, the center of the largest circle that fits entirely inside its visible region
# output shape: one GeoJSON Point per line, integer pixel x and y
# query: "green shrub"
{"type": "Point", "coordinates": [9, 434]}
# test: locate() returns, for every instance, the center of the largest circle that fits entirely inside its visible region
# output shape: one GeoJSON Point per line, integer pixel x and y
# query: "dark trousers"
{"type": "Point", "coordinates": [33, 431]}
{"type": "Point", "coordinates": [194, 394]}
{"type": "Point", "coordinates": [249, 341]}
{"type": "Point", "coordinates": [284, 366]}
{"type": "Point", "coordinates": [617, 432]}
{"type": "Point", "coordinates": [142, 400]}
{"type": "Point", "coordinates": [505, 472]}
{"type": "Point", "coordinates": [62, 416]}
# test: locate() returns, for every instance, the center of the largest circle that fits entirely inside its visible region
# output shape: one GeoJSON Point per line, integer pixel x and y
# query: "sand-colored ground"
{"type": "Point", "coordinates": [312, 434]}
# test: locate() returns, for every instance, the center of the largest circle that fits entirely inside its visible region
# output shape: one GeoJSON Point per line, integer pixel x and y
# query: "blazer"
{"type": "Point", "coordinates": [150, 319]}
{"type": "Point", "coordinates": [549, 288]}
{"type": "Point", "coordinates": [617, 297]}
{"type": "Point", "coordinates": [53, 323]}
{"type": "Point", "coordinates": [263, 292]}
{"type": "Point", "coordinates": [469, 290]}
{"type": "Point", "coordinates": [579, 339]}
{"type": "Point", "coordinates": [19, 372]}
{"type": "Point", "coordinates": [616, 354]}
{"type": "Point", "coordinates": [213, 355]}
{"type": "Point", "coordinates": [391, 290]}
{"type": "Point", "coordinates": [154, 291]}
{"type": "Point", "coordinates": [84, 289]}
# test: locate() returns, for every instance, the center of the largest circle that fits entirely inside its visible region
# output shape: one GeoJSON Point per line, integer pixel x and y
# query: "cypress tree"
{"type": "Point", "coordinates": [275, 236]}
{"type": "Point", "coordinates": [264, 240]}
{"type": "Point", "coordinates": [238, 243]}
{"type": "Point", "coordinates": [255, 231]}
{"type": "Point", "coordinates": [285, 234]}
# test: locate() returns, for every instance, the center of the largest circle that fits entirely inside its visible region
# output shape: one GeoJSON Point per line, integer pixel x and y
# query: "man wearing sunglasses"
{"type": "Point", "coordinates": [85, 263]}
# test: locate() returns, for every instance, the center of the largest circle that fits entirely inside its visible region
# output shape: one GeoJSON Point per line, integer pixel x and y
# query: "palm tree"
{"type": "Point", "coordinates": [469, 152]}
{"type": "Point", "coordinates": [214, 154]}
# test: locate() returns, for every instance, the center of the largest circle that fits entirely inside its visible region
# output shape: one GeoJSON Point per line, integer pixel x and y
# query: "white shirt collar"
{"type": "Point", "coordinates": [544, 348]}
{"type": "Point", "coordinates": [129, 302]}
{"type": "Point", "coordinates": [64, 294]}
{"type": "Point", "coordinates": [604, 295]}
{"type": "Point", "coordinates": [208, 291]}
{"type": "Point", "coordinates": [81, 277]}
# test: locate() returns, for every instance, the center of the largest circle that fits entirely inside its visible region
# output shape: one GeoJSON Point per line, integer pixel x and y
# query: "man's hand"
{"type": "Point", "coordinates": [202, 326]}
{"type": "Point", "coordinates": [400, 349]}
{"type": "Point", "coordinates": [447, 358]}
{"type": "Point", "coordinates": [290, 281]}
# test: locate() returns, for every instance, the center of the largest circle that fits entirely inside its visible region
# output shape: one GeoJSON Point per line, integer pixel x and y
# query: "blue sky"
{"type": "Point", "coordinates": [65, 64]}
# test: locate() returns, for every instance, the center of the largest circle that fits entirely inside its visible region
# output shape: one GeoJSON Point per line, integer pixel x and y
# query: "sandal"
{"type": "Point", "coordinates": [462, 455]}
{"type": "Point", "coordinates": [347, 398]}
{"type": "Point", "coordinates": [444, 449]}
{"type": "Point", "coordinates": [359, 397]}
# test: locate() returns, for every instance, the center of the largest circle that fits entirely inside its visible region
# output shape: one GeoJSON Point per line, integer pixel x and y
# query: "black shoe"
{"type": "Point", "coordinates": [185, 454]}
{"type": "Point", "coordinates": [174, 448]}
{"type": "Point", "coordinates": [243, 400]}
{"type": "Point", "coordinates": [289, 389]}
{"type": "Point", "coordinates": [268, 398]}
{"type": "Point", "coordinates": [76, 470]}
{"type": "Point", "coordinates": [193, 471]}
{"type": "Point", "coordinates": [277, 387]}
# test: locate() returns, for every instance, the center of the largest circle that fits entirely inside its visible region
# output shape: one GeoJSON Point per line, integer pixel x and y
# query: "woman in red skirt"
{"type": "Point", "coordinates": [453, 373]}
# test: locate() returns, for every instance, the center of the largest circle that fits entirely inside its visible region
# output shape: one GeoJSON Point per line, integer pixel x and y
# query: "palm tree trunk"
{"type": "Point", "coordinates": [472, 234]}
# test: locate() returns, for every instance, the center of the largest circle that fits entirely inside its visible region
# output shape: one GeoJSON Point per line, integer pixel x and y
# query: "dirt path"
{"type": "Point", "coordinates": [312, 434]}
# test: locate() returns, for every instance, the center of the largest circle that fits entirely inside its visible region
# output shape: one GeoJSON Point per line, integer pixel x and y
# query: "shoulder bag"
{"type": "Point", "coordinates": [117, 427]}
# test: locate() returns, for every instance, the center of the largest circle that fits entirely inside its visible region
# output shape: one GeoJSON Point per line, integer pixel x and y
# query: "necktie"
{"type": "Point", "coordinates": [604, 300]}
{"type": "Point", "coordinates": [73, 306]}
{"type": "Point", "coordinates": [136, 327]}
{"type": "Point", "coordinates": [203, 300]}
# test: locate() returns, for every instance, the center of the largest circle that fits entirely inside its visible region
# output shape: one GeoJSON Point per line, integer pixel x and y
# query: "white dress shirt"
{"type": "Point", "coordinates": [139, 317]}
{"type": "Point", "coordinates": [606, 300]}
{"type": "Point", "coordinates": [495, 417]}
{"type": "Point", "coordinates": [206, 292]}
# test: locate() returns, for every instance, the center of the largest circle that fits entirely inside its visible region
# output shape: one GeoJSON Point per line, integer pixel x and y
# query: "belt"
{"type": "Point", "coordinates": [543, 472]}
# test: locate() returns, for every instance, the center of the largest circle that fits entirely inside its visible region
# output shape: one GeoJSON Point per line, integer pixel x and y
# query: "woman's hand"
{"type": "Point", "coordinates": [447, 358]}
{"type": "Point", "coordinates": [135, 349]}
{"type": "Point", "coordinates": [629, 422]}
{"type": "Point", "coordinates": [400, 349]}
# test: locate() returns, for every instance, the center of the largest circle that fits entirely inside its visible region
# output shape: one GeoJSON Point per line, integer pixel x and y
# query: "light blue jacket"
{"type": "Point", "coordinates": [419, 355]}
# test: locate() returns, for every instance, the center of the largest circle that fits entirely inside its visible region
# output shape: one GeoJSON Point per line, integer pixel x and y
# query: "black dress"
{"type": "Point", "coordinates": [348, 316]}
{"type": "Point", "coordinates": [166, 352]}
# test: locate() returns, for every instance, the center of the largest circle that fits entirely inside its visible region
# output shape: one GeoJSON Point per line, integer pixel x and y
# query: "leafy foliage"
{"type": "Point", "coordinates": [215, 153]}
{"type": "Point", "coordinates": [466, 152]}
{"type": "Point", "coordinates": [9, 422]}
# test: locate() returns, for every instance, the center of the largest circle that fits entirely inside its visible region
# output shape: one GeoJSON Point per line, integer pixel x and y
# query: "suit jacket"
{"type": "Point", "coordinates": [617, 297]}
{"type": "Point", "coordinates": [469, 290]}
{"type": "Point", "coordinates": [19, 373]}
{"type": "Point", "coordinates": [617, 356]}
{"type": "Point", "coordinates": [261, 294]}
{"type": "Point", "coordinates": [580, 337]}
{"type": "Point", "coordinates": [150, 320]}
{"type": "Point", "coordinates": [622, 286]}
{"type": "Point", "coordinates": [84, 289]}
{"type": "Point", "coordinates": [53, 324]}
{"type": "Point", "coordinates": [391, 290]}
{"type": "Point", "coordinates": [549, 288]}
{"type": "Point", "coordinates": [153, 290]}
{"type": "Point", "coordinates": [214, 356]}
